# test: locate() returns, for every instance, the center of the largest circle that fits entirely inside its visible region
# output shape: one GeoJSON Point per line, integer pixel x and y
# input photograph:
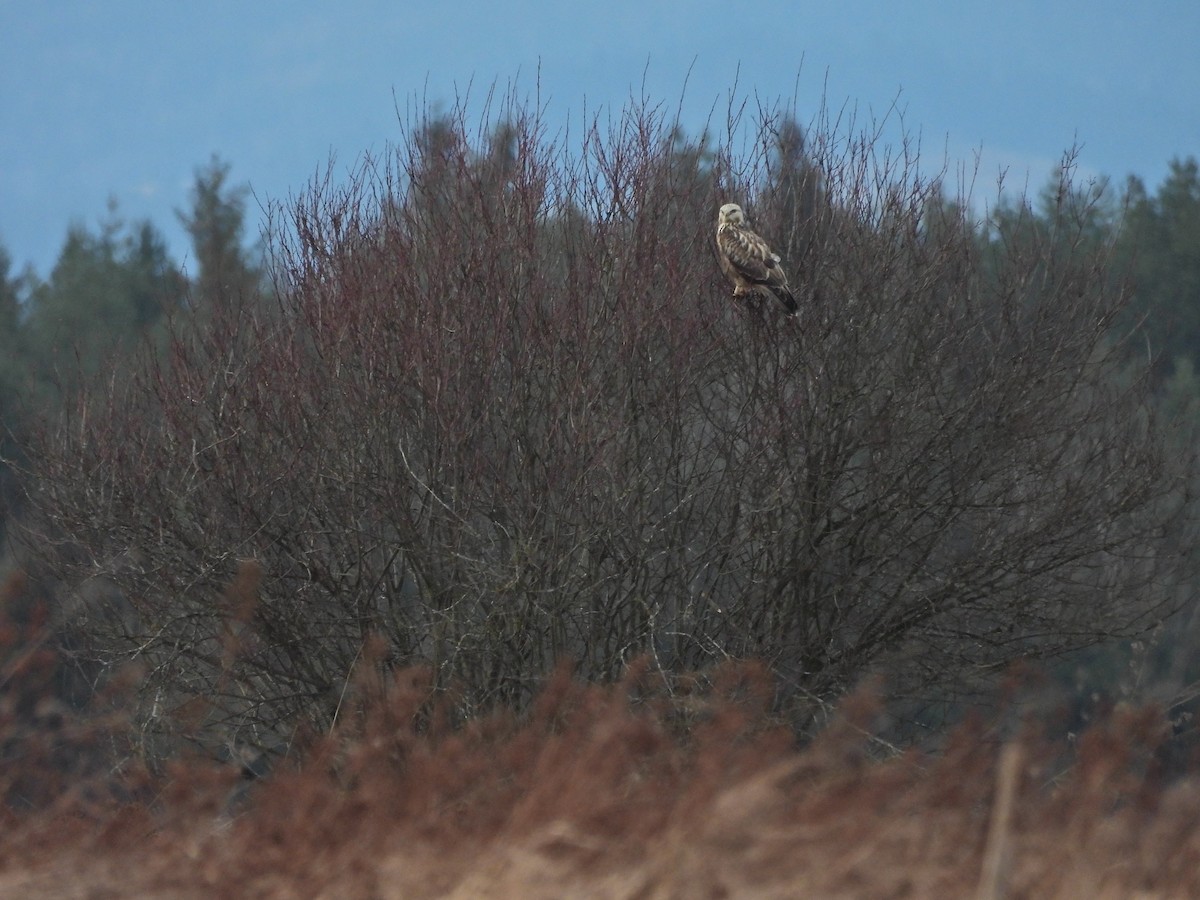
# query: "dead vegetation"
{"type": "Point", "coordinates": [603, 791]}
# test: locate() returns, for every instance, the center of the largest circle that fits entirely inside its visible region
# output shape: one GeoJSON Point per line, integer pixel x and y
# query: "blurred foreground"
{"type": "Point", "coordinates": [602, 792]}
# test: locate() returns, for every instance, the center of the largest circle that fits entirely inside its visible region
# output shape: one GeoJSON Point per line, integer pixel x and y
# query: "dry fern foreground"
{"type": "Point", "coordinates": [599, 792]}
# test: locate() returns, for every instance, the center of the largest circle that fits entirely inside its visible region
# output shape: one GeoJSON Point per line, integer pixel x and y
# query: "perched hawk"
{"type": "Point", "coordinates": [748, 261]}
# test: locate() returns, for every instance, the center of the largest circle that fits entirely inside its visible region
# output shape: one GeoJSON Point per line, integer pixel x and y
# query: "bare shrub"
{"type": "Point", "coordinates": [58, 749]}
{"type": "Point", "coordinates": [506, 413]}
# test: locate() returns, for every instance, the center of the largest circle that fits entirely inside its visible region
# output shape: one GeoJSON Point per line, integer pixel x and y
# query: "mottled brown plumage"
{"type": "Point", "coordinates": [748, 260]}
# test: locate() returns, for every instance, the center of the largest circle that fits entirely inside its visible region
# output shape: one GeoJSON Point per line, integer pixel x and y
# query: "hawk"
{"type": "Point", "coordinates": [748, 261]}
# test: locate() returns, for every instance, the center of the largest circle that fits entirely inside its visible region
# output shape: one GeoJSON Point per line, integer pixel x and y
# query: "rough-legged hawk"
{"type": "Point", "coordinates": [748, 261]}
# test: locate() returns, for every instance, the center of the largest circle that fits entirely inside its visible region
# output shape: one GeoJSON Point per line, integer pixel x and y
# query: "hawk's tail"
{"type": "Point", "coordinates": [784, 296]}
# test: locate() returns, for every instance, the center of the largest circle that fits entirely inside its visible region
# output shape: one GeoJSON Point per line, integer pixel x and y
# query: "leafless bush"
{"type": "Point", "coordinates": [506, 412]}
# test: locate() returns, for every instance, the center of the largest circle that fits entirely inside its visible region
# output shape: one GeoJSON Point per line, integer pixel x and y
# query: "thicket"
{"type": "Point", "coordinates": [501, 410]}
{"type": "Point", "coordinates": [111, 290]}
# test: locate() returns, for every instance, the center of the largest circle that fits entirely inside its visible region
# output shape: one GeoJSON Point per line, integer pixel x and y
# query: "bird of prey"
{"type": "Point", "coordinates": [748, 261]}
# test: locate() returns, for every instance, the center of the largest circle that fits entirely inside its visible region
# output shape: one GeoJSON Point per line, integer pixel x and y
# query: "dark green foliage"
{"type": "Point", "coordinates": [10, 337]}
{"type": "Point", "coordinates": [106, 292]}
{"type": "Point", "coordinates": [1161, 245]}
{"type": "Point", "coordinates": [226, 273]}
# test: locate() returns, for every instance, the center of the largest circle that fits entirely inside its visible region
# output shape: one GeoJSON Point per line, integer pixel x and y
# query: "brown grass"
{"type": "Point", "coordinates": [599, 792]}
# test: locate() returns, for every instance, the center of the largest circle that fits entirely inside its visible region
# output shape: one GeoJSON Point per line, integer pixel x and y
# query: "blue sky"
{"type": "Point", "coordinates": [126, 99]}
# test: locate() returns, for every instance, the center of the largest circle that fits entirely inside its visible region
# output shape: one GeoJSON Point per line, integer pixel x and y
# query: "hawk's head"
{"type": "Point", "coordinates": [731, 214]}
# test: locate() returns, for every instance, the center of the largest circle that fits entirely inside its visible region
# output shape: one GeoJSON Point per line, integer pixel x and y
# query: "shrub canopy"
{"type": "Point", "coordinates": [501, 409]}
